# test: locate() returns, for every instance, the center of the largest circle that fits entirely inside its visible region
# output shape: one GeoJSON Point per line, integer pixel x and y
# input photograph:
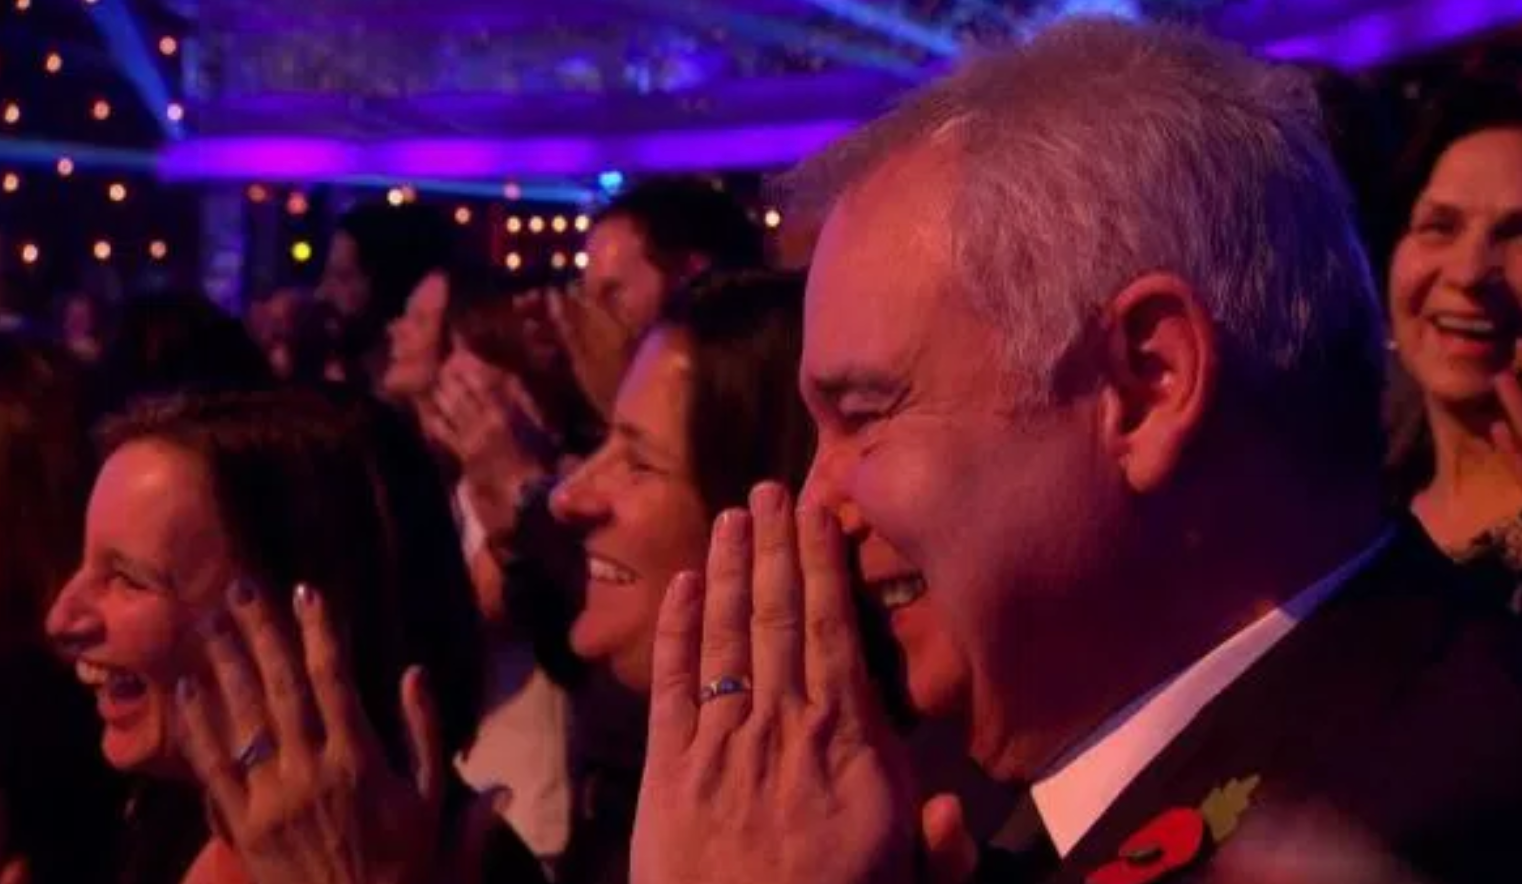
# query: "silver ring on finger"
{"type": "Point", "coordinates": [259, 749]}
{"type": "Point", "coordinates": [723, 686]}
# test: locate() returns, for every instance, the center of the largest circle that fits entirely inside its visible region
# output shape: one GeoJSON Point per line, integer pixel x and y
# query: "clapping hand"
{"type": "Point", "coordinates": [309, 797]}
{"type": "Point", "coordinates": [596, 339]}
{"type": "Point", "coordinates": [1507, 432]}
{"type": "Point", "coordinates": [769, 758]}
{"type": "Point", "coordinates": [484, 417]}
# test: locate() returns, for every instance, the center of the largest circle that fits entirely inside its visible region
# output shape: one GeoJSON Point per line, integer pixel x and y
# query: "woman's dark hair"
{"type": "Point", "coordinates": [746, 422]}
{"type": "Point", "coordinates": [46, 467]}
{"type": "Point", "coordinates": [1360, 127]}
{"type": "Point", "coordinates": [1468, 107]}
{"type": "Point", "coordinates": [482, 312]}
{"type": "Point", "coordinates": [175, 342]}
{"type": "Point", "coordinates": [56, 792]}
{"type": "Point", "coordinates": [332, 489]}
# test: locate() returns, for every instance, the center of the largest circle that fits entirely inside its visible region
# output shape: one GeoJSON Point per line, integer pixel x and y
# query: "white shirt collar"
{"type": "Point", "coordinates": [1089, 778]}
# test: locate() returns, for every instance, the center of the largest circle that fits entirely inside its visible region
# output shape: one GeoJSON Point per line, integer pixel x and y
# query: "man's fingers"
{"type": "Point", "coordinates": [833, 664]}
{"type": "Point", "coordinates": [951, 853]}
{"type": "Point", "coordinates": [726, 620]}
{"type": "Point", "coordinates": [777, 615]}
{"type": "Point", "coordinates": [674, 669]}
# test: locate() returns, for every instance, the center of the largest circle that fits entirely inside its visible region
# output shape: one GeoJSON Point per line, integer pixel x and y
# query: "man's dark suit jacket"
{"type": "Point", "coordinates": [1397, 703]}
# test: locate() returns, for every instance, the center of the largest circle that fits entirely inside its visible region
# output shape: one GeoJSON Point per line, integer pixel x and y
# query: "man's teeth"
{"type": "Point", "coordinates": [604, 571]}
{"type": "Point", "coordinates": [1476, 326]}
{"type": "Point", "coordinates": [900, 591]}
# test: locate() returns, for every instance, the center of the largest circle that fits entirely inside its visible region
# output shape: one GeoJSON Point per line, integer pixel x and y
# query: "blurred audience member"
{"type": "Point", "coordinates": [505, 415]}
{"type": "Point", "coordinates": [377, 258]}
{"type": "Point", "coordinates": [174, 342]}
{"type": "Point", "coordinates": [647, 244]}
{"type": "Point", "coordinates": [59, 804]}
{"type": "Point", "coordinates": [208, 512]}
{"type": "Point", "coordinates": [84, 326]}
{"type": "Point", "coordinates": [418, 344]}
{"type": "Point", "coordinates": [1455, 303]}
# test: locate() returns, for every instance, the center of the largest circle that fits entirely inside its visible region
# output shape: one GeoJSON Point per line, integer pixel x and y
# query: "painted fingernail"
{"type": "Point", "coordinates": [241, 591]}
{"type": "Point", "coordinates": [185, 689]}
{"type": "Point", "coordinates": [768, 497]}
{"type": "Point", "coordinates": [304, 595]}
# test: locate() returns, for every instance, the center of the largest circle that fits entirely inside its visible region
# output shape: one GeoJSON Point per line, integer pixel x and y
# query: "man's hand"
{"type": "Point", "coordinates": [769, 757]}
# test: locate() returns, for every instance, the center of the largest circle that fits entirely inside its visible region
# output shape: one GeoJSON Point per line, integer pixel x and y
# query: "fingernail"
{"type": "Point", "coordinates": [304, 595]}
{"type": "Point", "coordinates": [684, 585]}
{"type": "Point", "coordinates": [185, 689]}
{"type": "Point", "coordinates": [768, 497]}
{"type": "Point", "coordinates": [240, 592]}
{"type": "Point", "coordinates": [734, 525]}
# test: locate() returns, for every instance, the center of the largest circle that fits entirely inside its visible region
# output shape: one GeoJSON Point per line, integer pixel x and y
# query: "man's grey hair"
{"type": "Point", "coordinates": [1101, 151]}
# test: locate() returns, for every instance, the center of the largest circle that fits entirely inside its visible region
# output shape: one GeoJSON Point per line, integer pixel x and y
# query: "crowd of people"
{"type": "Point", "coordinates": [1084, 512]}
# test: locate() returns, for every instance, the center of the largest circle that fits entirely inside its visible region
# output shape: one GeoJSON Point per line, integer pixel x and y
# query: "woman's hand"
{"type": "Point", "coordinates": [599, 344]}
{"type": "Point", "coordinates": [769, 757]}
{"type": "Point", "coordinates": [1506, 434]}
{"type": "Point", "coordinates": [308, 796]}
{"type": "Point", "coordinates": [487, 420]}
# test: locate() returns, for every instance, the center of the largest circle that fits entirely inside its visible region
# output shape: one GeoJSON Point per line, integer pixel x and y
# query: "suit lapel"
{"type": "Point", "coordinates": [1309, 696]}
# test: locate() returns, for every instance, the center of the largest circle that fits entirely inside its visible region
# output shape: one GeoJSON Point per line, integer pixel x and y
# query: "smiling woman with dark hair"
{"type": "Point", "coordinates": [218, 503]}
{"type": "Point", "coordinates": [1455, 303]}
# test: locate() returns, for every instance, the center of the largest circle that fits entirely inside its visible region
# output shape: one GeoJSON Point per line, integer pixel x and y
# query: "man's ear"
{"type": "Point", "coordinates": [1159, 371]}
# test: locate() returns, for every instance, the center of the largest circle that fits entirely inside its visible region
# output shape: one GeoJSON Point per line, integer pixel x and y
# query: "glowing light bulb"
{"type": "Point", "coordinates": [53, 63]}
{"type": "Point", "coordinates": [301, 252]}
{"type": "Point", "coordinates": [65, 167]}
{"type": "Point", "coordinates": [102, 250]}
{"type": "Point", "coordinates": [514, 261]}
{"type": "Point", "coordinates": [169, 45]}
{"type": "Point", "coordinates": [583, 223]}
{"type": "Point", "coordinates": [581, 260]}
{"type": "Point", "coordinates": [23, 5]}
{"type": "Point", "coordinates": [157, 250]}
{"type": "Point", "coordinates": [514, 224]}
{"type": "Point", "coordinates": [101, 110]}
{"type": "Point", "coordinates": [558, 224]}
{"type": "Point", "coordinates": [175, 112]}
{"type": "Point", "coordinates": [536, 224]}
{"type": "Point", "coordinates": [29, 254]}
{"type": "Point", "coordinates": [296, 203]}
{"type": "Point", "coordinates": [462, 215]}
{"type": "Point", "coordinates": [257, 193]}
{"type": "Point", "coordinates": [117, 192]}
{"type": "Point", "coordinates": [12, 182]}
{"type": "Point", "coordinates": [772, 218]}
{"type": "Point", "coordinates": [395, 197]}
{"type": "Point", "coordinates": [512, 191]}
{"type": "Point", "coordinates": [557, 261]}
{"type": "Point", "coordinates": [12, 113]}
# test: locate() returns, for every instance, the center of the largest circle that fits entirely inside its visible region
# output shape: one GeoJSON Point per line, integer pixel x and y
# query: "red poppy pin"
{"type": "Point", "coordinates": [1177, 838]}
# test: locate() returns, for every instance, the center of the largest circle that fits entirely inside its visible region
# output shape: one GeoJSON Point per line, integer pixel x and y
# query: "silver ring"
{"type": "Point", "coordinates": [723, 686]}
{"type": "Point", "coordinates": [259, 749]}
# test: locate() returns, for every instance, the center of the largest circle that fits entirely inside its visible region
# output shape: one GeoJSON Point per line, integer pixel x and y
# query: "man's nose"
{"type": "Point", "coordinates": [823, 488]}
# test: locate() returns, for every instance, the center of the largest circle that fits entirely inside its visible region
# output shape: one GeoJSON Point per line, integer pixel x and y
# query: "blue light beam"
{"type": "Point", "coordinates": [124, 38]}
{"type": "Point", "coordinates": [891, 24]}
